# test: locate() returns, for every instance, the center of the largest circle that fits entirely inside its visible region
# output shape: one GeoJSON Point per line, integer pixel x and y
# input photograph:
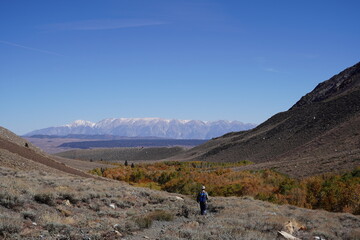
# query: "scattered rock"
{"type": "Point", "coordinates": [64, 212]}
{"type": "Point", "coordinates": [287, 235]}
{"type": "Point", "coordinates": [272, 213]}
{"type": "Point", "coordinates": [176, 198]}
{"type": "Point", "coordinates": [191, 225]}
{"type": "Point", "coordinates": [66, 202]}
{"type": "Point", "coordinates": [319, 238]}
{"type": "Point", "coordinates": [111, 235]}
{"type": "Point", "coordinates": [293, 226]}
{"type": "Point", "coordinates": [26, 231]}
{"type": "Point", "coordinates": [118, 233]}
{"type": "Point", "coordinates": [112, 205]}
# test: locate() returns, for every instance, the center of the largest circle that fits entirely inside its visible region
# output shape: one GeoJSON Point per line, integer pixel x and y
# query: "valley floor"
{"type": "Point", "coordinates": [40, 204]}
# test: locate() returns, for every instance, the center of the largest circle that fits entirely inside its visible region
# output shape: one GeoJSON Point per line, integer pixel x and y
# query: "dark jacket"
{"type": "Point", "coordinates": [202, 196]}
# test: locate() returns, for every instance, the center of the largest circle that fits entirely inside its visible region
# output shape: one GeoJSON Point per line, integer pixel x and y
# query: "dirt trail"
{"type": "Point", "coordinates": [30, 154]}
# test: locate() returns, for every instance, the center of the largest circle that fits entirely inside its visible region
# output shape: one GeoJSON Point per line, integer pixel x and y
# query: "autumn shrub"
{"type": "Point", "coordinates": [97, 171]}
{"type": "Point", "coordinates": [335, 193]}
{"type": "Point", "coordinates": [151, 185]}
{"type": "Point", "coordinates": [338, 193]}
{"type": "Point", "coordinates": [228, 190]}
{"type": "Point", "coordinates": [165, 177]}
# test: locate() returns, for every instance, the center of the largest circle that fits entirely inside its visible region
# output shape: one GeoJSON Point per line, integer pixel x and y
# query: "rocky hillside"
{"type": "Point", "coordinates": [320, 133]}
{"type": "Point", "coordinates": [340, 84]}
{"type": "Point", "coordinates": [40, 202]}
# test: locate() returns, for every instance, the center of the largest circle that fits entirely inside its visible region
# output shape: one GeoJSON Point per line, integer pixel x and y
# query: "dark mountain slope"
{"type": "Point", "coordinates": [287, 135]}
{"type": "Point", "coordinates": [340, 84]}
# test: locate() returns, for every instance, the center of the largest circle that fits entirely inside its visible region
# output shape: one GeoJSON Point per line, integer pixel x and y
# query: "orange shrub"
{"type": "Point", "coordinates": [329, 191]}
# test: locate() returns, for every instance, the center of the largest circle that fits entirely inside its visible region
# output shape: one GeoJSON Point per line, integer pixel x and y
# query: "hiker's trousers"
{"type": "Point", "coordinates": [203, 208]}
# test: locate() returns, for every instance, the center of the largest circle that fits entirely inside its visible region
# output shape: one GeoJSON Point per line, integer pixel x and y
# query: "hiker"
{"type": "Point", "coordinates": [202, 199]}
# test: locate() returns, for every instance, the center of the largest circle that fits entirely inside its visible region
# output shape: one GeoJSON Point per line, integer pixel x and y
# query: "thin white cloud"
{"type": "Point", "coordinates": [102, 24]}
{"type": "Point", "coordinates": [28, 48]}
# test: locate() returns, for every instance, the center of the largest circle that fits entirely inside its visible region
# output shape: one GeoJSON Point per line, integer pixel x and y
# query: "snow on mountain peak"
{"type": "Point", "coordinates": [81, 123]}
{"type": "Point", "coordinates": [144, 127]}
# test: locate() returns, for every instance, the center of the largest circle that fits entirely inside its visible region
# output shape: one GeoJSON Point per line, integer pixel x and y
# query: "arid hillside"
{"type": "Point", "coordinates": [320, 133]}
{"type": "Point", "coordinates": [12, 144]}
{"type": "Point", "coordinates": [38, 201]}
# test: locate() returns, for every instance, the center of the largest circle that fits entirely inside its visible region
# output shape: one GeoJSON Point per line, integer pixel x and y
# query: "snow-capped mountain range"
{"type": "Point", "coordinates": [145, 127]}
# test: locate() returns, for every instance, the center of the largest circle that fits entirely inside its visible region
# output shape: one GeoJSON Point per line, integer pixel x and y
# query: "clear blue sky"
{"type": "Point", "coordinates": [201, 59]}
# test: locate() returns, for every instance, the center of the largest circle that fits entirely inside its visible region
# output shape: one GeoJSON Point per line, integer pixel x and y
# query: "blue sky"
{"type": "Point", "coordinates": [202, 59]}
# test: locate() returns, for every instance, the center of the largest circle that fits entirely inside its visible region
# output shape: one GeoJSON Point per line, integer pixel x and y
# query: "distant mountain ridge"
{"type": "Point", "coordinates": [146, 127]}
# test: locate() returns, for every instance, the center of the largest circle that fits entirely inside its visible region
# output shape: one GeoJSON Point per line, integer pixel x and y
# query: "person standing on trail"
{"type": "Point", "coordinates": [202, 199]}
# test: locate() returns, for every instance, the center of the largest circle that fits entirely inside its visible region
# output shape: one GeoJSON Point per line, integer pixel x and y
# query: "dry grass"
{"type": "Point", "coordinates": [158, 215]}
{"type": "Point", "coordinates": [80, 209]}
{"type": "Point", "coordinates": [45, 198]}
{"type": "Point", "coordinates": [10, 200]}
{"type": "Point", "coordinates": [50, 217]}
{"type": "Point", "coordinates": [161, 215]}
{"type": "Point", "coordinates": [9, 225]}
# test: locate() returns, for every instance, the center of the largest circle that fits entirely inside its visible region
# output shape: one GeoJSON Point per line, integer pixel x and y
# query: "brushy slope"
{"type": "Point", "coordinates": [38, 205]}
{"type": "Point", "coordinates": [305, 135]}
{"type": "Point", "coordinates": [332, 192]}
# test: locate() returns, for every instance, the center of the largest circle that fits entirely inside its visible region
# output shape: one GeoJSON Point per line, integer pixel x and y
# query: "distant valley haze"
{"type": "Point", "coordinates": [147, 127]}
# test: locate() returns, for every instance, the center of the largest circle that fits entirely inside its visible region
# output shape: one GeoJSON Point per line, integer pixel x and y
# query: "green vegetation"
{"type": "Point", "coordinates": [337, 193]}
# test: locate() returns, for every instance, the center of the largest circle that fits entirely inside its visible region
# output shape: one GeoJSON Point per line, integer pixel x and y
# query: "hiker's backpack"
{"type": "Point", "coordinates": [202, 197]}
